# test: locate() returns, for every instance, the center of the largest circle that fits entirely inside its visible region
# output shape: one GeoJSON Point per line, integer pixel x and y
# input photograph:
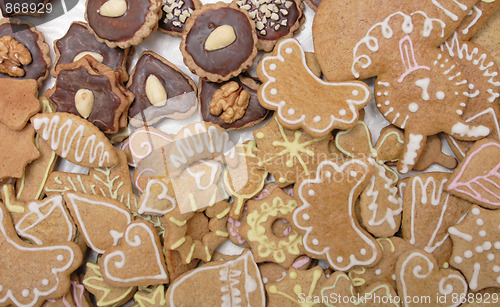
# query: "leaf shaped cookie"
{"type": "Point", "coordinates": [137, 260]}
{"type": "Point", "coordinates": [75, 139]}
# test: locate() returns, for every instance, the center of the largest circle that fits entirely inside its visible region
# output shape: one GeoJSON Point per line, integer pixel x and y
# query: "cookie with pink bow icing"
{"type": "Point", "coordinates": [326, 216]}
{"type": "Point", "coordinates": [50, 267]}
{"type": "Point", "coordinates": [476, 247]}
{"type": "Point", "coordinates": [476, 178]}
{"type": "Point", "coordinates": [288, 85]}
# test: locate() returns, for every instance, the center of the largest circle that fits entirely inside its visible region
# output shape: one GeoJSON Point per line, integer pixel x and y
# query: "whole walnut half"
{"type": "Point", "coordinates": [230, 100]}
{"type": "Point", "coordinates": [12, 55]}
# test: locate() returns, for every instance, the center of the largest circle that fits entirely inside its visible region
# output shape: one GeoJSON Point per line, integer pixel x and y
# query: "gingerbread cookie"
{"type": "Point", "coordinates": [233, 104]}
{"type": "Point", "coordinates": [219, 42]}
{"type": "Point", "coordinates": [428, 211]}
{"type": "Point", "coordinates": [288, 84]}
{"type": "Point", "coordinates": [286, 154]}
{"type": "Point", "coordinates": [268, 244]}
{"type": "Point", "coordinates": [18, 102]}
{"type": "Point", "coordinates": [237, 280]}
{"type": "Point", "coordinates": [274, 21]}
{"type": "Point", "coordinates": [75, 139]}
{"type": "Point", "coordinates": [17, 149]}
{"type": "Point", "coordinates": [476, 248]}
{"type": "Point", "coordinates": [93, 91]}
{"type": "Point", "coordinates": [135, 19]}
{"type": "Point", "coordinates": [51, 266]}
{"type": "Point", "coordinates": [380, 206]}
{"type": "Point", "coordinates": [105, 294]}
{"type": "Point", "coordinates": [79, 41]}
{"type": "Point", "coordinates": [419, 275]}
{"type": "Point", "coordinates": [432, 154]}
{"type": "Point", "coordinates": [476, 178]}
{"type": "Point", "coordinates": [175, 13]}
{"type": "Point", "coordinates": [25, 43]}
{"type": "Point", "coordinates": [343, 247]}
{"type": "Point", "coordinates": [161, 91]}
{"type": "Point", "coordinates": [137, 260]}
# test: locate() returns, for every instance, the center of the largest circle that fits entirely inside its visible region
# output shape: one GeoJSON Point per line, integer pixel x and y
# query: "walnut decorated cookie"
{"type": "Point", "coordinates": [175, 13]}
{"type": "Point", "coordinates": [233, 105]}
{"type": "Point", "coordinates": [161, 91]}
{"type": "Point", "coordinates": [274, 20]}
{"type": "Point", "coordinates": [122, 23]}
{"type": "Point", "coordinates": [219, 42]}
{"type": "Point", "coordinates": [79, 41]}
{"type": "Point", "coordinates": [24, 51]}
{"type": "Point", "coordinates": [92, 91]}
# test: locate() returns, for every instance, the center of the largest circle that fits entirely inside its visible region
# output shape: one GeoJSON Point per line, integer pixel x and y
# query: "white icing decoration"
{"type": "Point", "coordinates": [413, 107]}
{"type": "Point", "coordinates": [470, 131]}
{"type": "Point", "coordinates": [412, 147]}
{"type": "Point", "coordinates": [169, 201]}
{"type": "Point", "coordinates": [448, 13]}
{"type": "Point", "coordinates": [440, 95]}
{"type": "Point", "coordinates": [424, 85]}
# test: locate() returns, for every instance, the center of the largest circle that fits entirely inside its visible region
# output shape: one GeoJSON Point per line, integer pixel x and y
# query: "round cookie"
{"type": "Point", "coordinates": [219, 42]}
{"type": "Point", "coordinates": [122, 23]}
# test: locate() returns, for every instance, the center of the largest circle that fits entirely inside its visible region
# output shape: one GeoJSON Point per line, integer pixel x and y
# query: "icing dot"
{"type": "Point", "coordinates": [468, 254]}
{"type": "Point", "coordinates": [315, 241]}
{"type": "Point", "coordinates": [272, 66]}
{"type": "Point", "coordinates": [342, 112]}
{"type": "Point", "coordinates": [496, 269]}
{"type": "Point", "coordinates": [457, 259]}
{"type": "Point", "coordinates": [440, 95]}
{"type": "Point", "coordinates": [393, 277]}
{"type": "Point", "coordinates": [456, 93]}
{"type": "Point", "coordinates": [45, 282]}
{"type": "Point", "coordinates": [328, 174]}
{"type": "Point", "coordinates": [340, 259]}
{"type": "Point", "coordinates": [442, 65]}
{"type": "Point", "coordinates": [60, 258]}
{"type": "Point", "coordinates": [26, 292]}
{"type": "Point", "coordinates": [413, 107]}
{"type": "Point", "coordinates": [490, 257]}
{"type": "Point", "coordinates": [293, 275]}
{"type": "Point", "coordinates": [446, 265]}
{"type": "Point", "coordinates": [260, 135]}
{"type": "Point", "coordinates": [289, 163]}
{"type": "Point", "coordinates": [316, 119]}
{"type": "Point", "coordinates": [482, 233]}
{"type": "Point", "coordinates": [487, 245]}
{"type": "Point", "coordinates": [462, 104]}
{"type": "Point", "coordinates": [355, 92]}
{"type": "Point", "coordinates": [480, 222]}
{"type": "Point", "coordinates": [362, 251]}
{"type": "Point", "coordinates": [291, 111]}
{"type": "Point", "coordinates": [379, 93]}
{"type": "Point", "coordinates": [459, 112]}
{"type": "Point", "coordinates": [353, 173]}
{"type": "Point", "coordinates": [475, 211]}
{"type": "Point", "coordinates": [265, 280]}
{"type": "Point", "coordinates": [387, 102]}
{"type": "Point", "coordinates": [497, 245]}
{"type": "Point", "coordinates": [311, 193]}
{"type": "Point", "coordinates": [378, 105]}
{"type": "Point", "coordinates": [471, 86]}
{"type": "Point", "coordinates": [288, 50]}
{"type": "Point", "coordinates": [306, 217]}
{"type": "Point", "coordinates": [386, 93]}
{"type": "Point", "coordinates": [282, 180]}
{"type": "Point", "coordinates": [274, 91]}
{"type": "Point", "coordinates": [378, 272]}
{"type": "Point", "coordinates": [479, 249]}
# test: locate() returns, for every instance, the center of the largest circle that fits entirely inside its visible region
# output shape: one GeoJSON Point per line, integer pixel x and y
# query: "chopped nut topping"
{"type": "Point", "coordinates": [230, 100]}
{"type": "Point", "coordinates": [175, 13]}
{"type": "Point", "coordinates": [12, 55]}
{"type": "Point", "coordinates": [261, 11]}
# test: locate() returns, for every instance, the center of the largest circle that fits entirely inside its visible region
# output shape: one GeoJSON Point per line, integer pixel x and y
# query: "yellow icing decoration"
{"type": "Point", "coordinates": [293, 275]}
{"type": "Point", "coordinates": [178, 243]}
{"type": "Point", "coordinates": [7, 195]}
{"type": "Point", "coordinates": [190, 255]}
{"type": "Point", "coordinates": [282, 180]}
{"type": "Point", "coordinates": [357, 281]}
{"type": "Point", "coordinates": [177, 222]}
{"type": "Point", "coordinates": [256, 221]}
{"type": "Point", "coordinates": [157, 297]}
{"type": "Point", "coordinates": [104, 300]}
{"type": "Point", "coordinates": [221, 233]}
{"type": "Point", "coordinates": [379, 240]}
{"type": "Point", "coordinates": [259, 135]}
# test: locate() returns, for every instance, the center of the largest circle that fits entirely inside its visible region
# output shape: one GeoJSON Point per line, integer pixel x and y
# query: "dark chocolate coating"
{"type": "Point", "coordinates": [228, 59]}
{"type": "Point", "coordinates": [254, 112]}
{"type": "Point", "coordinates": [174, 82]}
{"type": "Point", "coordinates": [22, 33]}
{"type": "Point", "coordinates": [117, 29]}
{"type": "Point", "coordinates": [79, 39]}
{"type": "Point", "coordinates": [105, 100]}
{"type": "Point", "coordinates": [167, 24]}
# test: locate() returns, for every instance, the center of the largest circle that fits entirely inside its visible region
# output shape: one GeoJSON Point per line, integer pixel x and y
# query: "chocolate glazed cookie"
{"type": "Point", "coordinates": [253, 114]}
{"type": "Point", "coordinates": [219, 42]}
{"type": "Point", "coordinates": [175, 13]}
{"type": "Point", "coordinates": [161, 91]}
{"type": "Point", "coordinates": [79, 41]}
{"type": "Point", "coordinates": [27, 35]}
{"type": "Point", "coordinates": [123, 23]}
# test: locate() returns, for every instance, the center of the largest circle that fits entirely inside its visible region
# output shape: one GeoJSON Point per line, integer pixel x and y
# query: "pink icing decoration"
{"type": "Point", "coordinates": [468, 187]}
{"type": "Point", "coordinates": [263, 194]}
{"type": "Point", "coordinates": [234, 233]}
{"type": "Point", "coordinates": [77, 297]}
{"type": "Point", "coordinates": [287, 231]}
{"type": "Point", "coordinates": [408, 57]}
{"type": "Point", "coordinates": [301, 262]}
